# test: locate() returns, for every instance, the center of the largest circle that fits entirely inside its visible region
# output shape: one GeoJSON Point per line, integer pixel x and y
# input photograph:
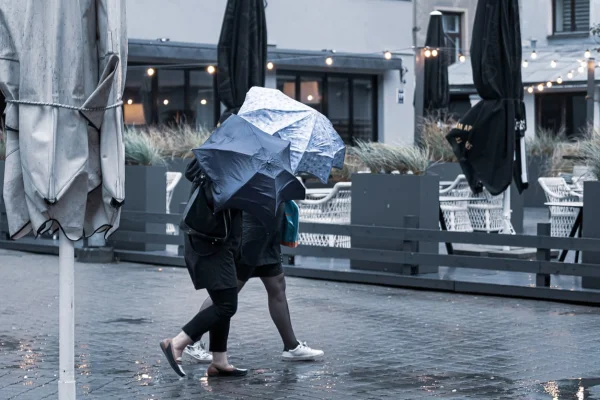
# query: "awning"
{"type": "Point", "coordinates": [157, 52]}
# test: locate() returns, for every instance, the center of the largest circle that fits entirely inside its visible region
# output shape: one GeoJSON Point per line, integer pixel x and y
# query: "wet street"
{"type": "Point", "coordinates": [379, 343]}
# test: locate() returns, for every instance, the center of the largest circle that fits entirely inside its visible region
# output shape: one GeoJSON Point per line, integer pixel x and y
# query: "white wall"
{"type": "Point", "coordinates": [397, 120]}
{"type": "Point", "coordinates": [529, 100]}
{"type": "Point", "coordinates": [361, 26]}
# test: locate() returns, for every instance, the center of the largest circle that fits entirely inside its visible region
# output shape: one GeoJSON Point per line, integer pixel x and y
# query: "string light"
{"type": "Point", "coordinates": [270, 66]}
{"type": "Point", "coordinates": [570, 75]}
{"type": "Point", "coordinates": [580, 69]}
{"type": "Point", "coordinates": [587, 54]}
{"type": "Point", "coordinates": [387, 55]}
{"type": "Point", "coordinates": [583, 64]}
{"type": "Point", "coordinates": [530, 89]}
{"type": "Point", "coordinates": [427, 53]}
{"type": "Point", "coordinates": [541, 87]}
{"type": "Point", "coordinates": [553, 64]}
{"type": "Point", "coordinates": [211, 69]}
{"type": "Point", "coordinates": [203, 102]}
{"type": "Point", "coordinates": [462, 58]}
{"type": "Point", "coordinates": [329, 61]}
{"type": "Point", "coordinates": [525, 63]}
{"type": "Point", "coordinates": [533, 55]}
{"type": "Point", "coordinates": [130, 102]}
{"type": "Point", "coordinates": [434, 52]}
{"type": "Point", "coordinates": [559, 80]}
{"type": "Point", "coordinates": [549, 84]}
{"type": "Point", "coordinates": [150, 71]}
{"type": "Point", "coordinates": [166, 102]}
{"type": "Point", "coordinates": [309, 97]}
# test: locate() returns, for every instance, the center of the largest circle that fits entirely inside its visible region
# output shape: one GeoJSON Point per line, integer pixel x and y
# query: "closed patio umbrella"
{"type": "Point", "coordinates": [437, 90]}
{"type": "Point", "coordinates": [486, 138]}
{"type": "Point", "coordinates": [62, 69]}
{"type": "Point", "coordinates": [242, 51]}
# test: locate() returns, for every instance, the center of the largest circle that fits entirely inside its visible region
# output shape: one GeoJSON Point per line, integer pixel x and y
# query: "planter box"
{"type": "Point", "coordinates": [145, 191]}
{"type": "Point", "coordinates": [591, 229]}
{"type": "Point", "coordinates": [534, 196]}
{"type": "Point", "coordinates": [384, 200]}
{"type": "Point", "coordinates": [181, 194]}
{"type": "Point", "coordinates": [446, 171]}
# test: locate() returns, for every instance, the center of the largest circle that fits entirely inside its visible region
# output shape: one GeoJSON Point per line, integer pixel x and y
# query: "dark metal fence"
{"type": "Point", "coordinates": [403, 263]}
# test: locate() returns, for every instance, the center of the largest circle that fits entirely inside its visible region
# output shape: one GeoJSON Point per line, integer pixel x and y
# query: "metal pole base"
{"type": "Point", "coordinates": [66, 317]}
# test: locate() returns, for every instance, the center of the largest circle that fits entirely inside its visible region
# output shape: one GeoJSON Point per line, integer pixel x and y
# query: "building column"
{"type": "Point", "coordinates": [397, 120]}
{"type": "Point", "coordinates": [271, 79]}
{"type": "Point", "coordinates": [529, 100]}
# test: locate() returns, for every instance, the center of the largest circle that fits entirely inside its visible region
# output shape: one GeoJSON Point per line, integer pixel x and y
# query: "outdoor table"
{"type": "Point", "coordinates": [577, 226]}
{"type": "Point", "coordinates": [448, 199]}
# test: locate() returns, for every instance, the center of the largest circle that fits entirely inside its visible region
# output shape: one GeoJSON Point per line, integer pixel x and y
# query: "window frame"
{"type": "Point", "coordinates": [456, 37]}
{"type": "Point", "coordinates": [573, 23]}
{"type": "Point", "coordinates": [323, 77]}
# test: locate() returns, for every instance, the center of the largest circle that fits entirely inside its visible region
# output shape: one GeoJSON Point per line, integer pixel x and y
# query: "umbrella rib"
{"type": "Point", "coordinates": [58, 105]}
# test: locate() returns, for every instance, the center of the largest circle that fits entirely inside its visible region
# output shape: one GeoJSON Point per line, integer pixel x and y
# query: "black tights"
{"type": "Point", "coordinates": [215, 318]}
{"type": "Point", "coordinates": [278, 308]}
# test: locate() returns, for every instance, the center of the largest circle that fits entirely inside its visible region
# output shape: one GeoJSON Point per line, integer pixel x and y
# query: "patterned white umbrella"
{"type": "Point", "coordinates": [62, 69]}
{"type": "Point", "coordinates": [316, 147]}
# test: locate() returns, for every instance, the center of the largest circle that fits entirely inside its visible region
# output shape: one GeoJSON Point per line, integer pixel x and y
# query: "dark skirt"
{"type": "Point", "coordinates": [212, 266]}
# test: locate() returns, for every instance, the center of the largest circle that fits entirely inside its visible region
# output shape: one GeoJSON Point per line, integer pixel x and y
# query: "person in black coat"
{"type": "Point", "coordinates": [261, 258]}
{"type": "Point", "coordinates": [210, 259]}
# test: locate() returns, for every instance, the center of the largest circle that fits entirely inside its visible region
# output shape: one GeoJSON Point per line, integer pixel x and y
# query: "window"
{"type": "Point", "coordinates": [349, 101]}
{"type": "Point", "coordinates": [170, 97]}
{"type": "Point", "coordinates": [571, 16]}
{"type": "Point", "coordinates": [562, 110]}
{"type": "Point", "coordinates": [452, 23]}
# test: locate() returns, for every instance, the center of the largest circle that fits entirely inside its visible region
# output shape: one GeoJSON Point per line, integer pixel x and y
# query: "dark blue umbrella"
{"type": "Point", "coordinates": [249, 169]}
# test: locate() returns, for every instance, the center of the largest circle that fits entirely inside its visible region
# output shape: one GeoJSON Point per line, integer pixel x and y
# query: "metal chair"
{"type": "Point", "coordinates": [173, 179]}
{"type": "Point", "coordinates": [327, 207]}
{"type": "Point", "coordinates": [456, 213]}
{"type": "Point", "coordinates": [486, 215]}
{"type": "Point", "coordinates": [561, 218]}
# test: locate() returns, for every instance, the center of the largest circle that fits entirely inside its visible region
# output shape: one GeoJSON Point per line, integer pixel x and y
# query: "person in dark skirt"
{"type": "Point", "coordinates": [211, 265]}
{"type": "Point", "coordinates": [261, 258]}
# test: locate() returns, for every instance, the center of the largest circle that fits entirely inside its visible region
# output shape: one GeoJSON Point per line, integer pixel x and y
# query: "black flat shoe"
{"type": "Point", "coordinates": [214, 371]}
{"type": "Point", "coordinates": [167, 348]}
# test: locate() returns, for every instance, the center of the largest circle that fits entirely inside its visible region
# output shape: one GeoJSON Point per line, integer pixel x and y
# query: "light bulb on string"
{"type": "Point", "coordinates": [525, 63]}
{"type": "Point", "coordinates": [211, 69]}
{"type": "Point", "coordinates": [559, 80]}
{"type": "Point", "coordinates": [587, 54]}
{"type": "Point", "coordinates": [553, 64]}
{"type": "Point", "coordinates": [329, 61]}
{"type": "Point", "coordinates": [462, 58]}
{"type": "Point", "coordinates": [166, 102]}
{"type": "Point", "coordinates": [533, 55]}
{"type": "Point", "coordinates": [203, 102]}
{"type": "Point", "coordinates": [387, 55]}
{"type": "Point", "coordinates": [270, 65]}
{"type": "Point", "coordinates": [583, 64]}
{"type": "Point", "coordinates": [580, 69]}
{"type": "Point", "coordinates": [530, 89]}
{"type": "Point", "coordinates": [150, 71]}
{"type": "Point", "coordinates": [130, 102]}
{"type": "Point", "coordinates": [570, 75]}
{"type": "Point", "coordinates": [427, 53]}
{"type": "Point", "coordinates": [549, 84]}
{"type": "Point", "coordinates": [541, 87]}
{"type": "Point", "coordinates": [434, 52]}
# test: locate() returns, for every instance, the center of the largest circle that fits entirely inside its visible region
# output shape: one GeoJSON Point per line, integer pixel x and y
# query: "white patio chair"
{"type": "Point", "coordinates": [456, 213]}
{"type": "Point", "coordinates": [326, 207]}
{"type": "Point", "coordinates": [561, 218]}
{"type": "Point", "coordinates": [173, 179]}
{"type": "Point", "coordinates": [486, 214]}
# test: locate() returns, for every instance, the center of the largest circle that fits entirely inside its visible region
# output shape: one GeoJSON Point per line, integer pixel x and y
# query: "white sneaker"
{"type": "Point", "coordinates": [302, 353]}
{"type": "Point", "coordinates": [198, 352]}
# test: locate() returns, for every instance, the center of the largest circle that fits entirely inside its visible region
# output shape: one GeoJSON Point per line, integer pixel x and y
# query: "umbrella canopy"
{"type": "Point", "coordinates": [62, 69]}
{"type": "Point", "coordinates": [249, 169]}
{"type": "Point", "coordinates": [437, 89]}
{"type": "Point", "coordinates": [242, 51]}
{"type": "Point", "coordinates": [485, 139]}
{"type": "Point", "coordinates": [316, 146]}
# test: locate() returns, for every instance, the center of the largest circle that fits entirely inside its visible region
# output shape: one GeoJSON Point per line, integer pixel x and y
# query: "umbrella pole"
{"type": "Point", "coordinates": [66, 335]}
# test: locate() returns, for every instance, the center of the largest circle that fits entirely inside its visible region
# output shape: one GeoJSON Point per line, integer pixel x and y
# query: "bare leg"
{"type": "Point", "coordinates": [279, 310]}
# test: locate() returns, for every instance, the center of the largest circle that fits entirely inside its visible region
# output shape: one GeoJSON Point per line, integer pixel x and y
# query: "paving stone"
{"type": "Point", "coordinates": [380, 343]}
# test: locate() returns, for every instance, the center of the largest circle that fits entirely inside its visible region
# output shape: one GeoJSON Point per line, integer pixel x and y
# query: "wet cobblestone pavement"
{"type": "Point", "coordinates": [380, 343]}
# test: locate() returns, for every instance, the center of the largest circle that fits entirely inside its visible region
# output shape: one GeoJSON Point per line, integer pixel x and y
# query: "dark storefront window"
{"type": "Point", "coordinates": [459, 105]}
{"type": "Point", "coordinates": [571, 15]}
{"type": "Point", "coordinates": [452, 23]}
{"type": "Point", "coordinates": [349, 101]}
{"type": "Point", "coordinates": [165, 96]}
{"type": "Point", "coordinates": [562, 110]}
